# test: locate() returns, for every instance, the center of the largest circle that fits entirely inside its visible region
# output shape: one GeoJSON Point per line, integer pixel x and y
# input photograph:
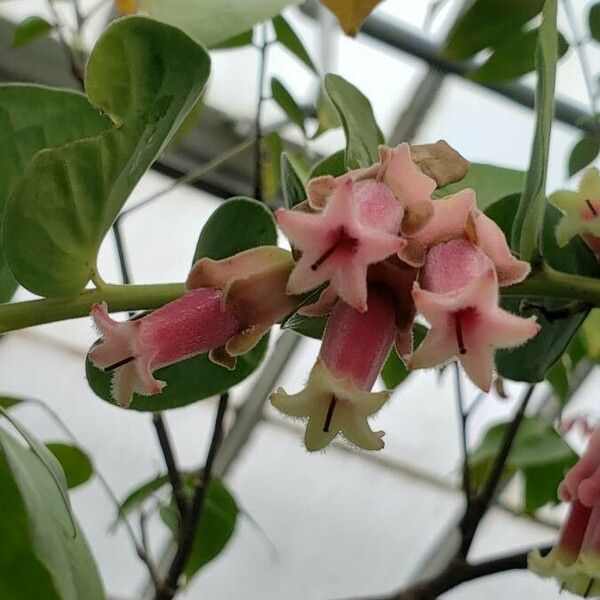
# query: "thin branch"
{"type": "Point", "coordinates": [192, 518]}
{"type": "Point", "coordinates": [144, 551]}
{"type": "Point", "coordinates": [258, 188]}
{"type": "Point", "coordinates": [171, 462]}
{"type": "Point", "coordinates": [480, 503]}
{"type": "Point", "coordinates": [463, 416]}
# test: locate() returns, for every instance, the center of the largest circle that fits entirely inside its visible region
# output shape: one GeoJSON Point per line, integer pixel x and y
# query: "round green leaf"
{"type": "Point", "coordinates": [39, 556]}
{"type": "Point", "coordinates": [74, 462]}
{"type": "Point", "coordinates": [146, 76]}
{"type": "Point", "coordinates": [583, 153]}
{"type": "Point", "coordinates": [31, 29]}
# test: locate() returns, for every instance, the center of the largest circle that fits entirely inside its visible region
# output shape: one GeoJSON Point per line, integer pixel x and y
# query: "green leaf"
{"type": "Point", "coordinates": [272, 149]}
{"type": "Point", "coordinates": [74, 462]}
{"type": "Point", "coordinates": [237, 41]}
{"type": "Point", "coordinates": [288, 38]}
{"type": "Point", "coordinates": [31, 29]}
{"type": "Point", "coordinates": [527, 226]}
{"type": "Point", "coordinates": [487, 23]}
{"type": "Point", "coordinates": [39, 556]}
{"type": "Point", "coordinates": [558, 377]}
{"type": "Point", "coordinates": [531, 361]}
{"type": "Point", "coordinates": [291, 182]}
{"type": "Point", "coordinates": [8, 402]}
{"type": "Point", "coordinates": [32, 118]}
{"type": "Point", "coordinates": [236, 225]}
{"type": "Point", "coordinates": [590, 331]}
{"type": "Point", "coordinates": [146, 76]}
{"type": "Point", "coordinates": [538, 451]}
{"type": "Point", "coordinates": [334, 165]}
{"type": "Point", "coordinates": [216, 526]}
{"type": "Point", "coordinates": [363, 135]}
{"type": "Point", "coordinates": [394, 371]}
{"type": "Point", "coordinates": [141, 493]}
{"type": "Point", "coordinates": [47, 459]}
{"type": "Point", "coordinates": [594, 21]}
{"type": "Point", "coordinates": [491, 183]}
{"type": "Point", "coordinates": [583, 153]}
{"type": "Point", "coordinates": [513, 57]}
{"type": "Point", "coordinates": [286, 101]}
{"type": "Point", "coordinates": [327, 116]}
{"type": "Point", "coordinates": [215, 21]}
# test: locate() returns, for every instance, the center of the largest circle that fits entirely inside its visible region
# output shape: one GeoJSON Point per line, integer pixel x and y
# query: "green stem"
{"type": "Point", "coordinates": [118, 297]}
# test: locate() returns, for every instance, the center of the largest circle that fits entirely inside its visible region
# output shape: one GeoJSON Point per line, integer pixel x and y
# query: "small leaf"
{"type": "Point", "coordinates": [74, 462]}
{"type": "Point", "coordinates": [8, 402]}
{"type": "Point", "coordinates": [334, 165]}
{"type": "Point", "coordinates": [288, 38]}
{"type": "Point", "coordinates": [487, 23]}
{"type": "Point", "coordinates": [363, 135]}
{"type": "Point", "coordinates": [394, 371]}
{"type": "Point", "coordinates": [583, 153]}
{"type": "Point", "coordinates": [40, 558]}
{"type": "Point", "coordinates": [237, 41]}
{"type": "Point", "coordinates": [591, 335]}
{"type": "Point", "coordinates": [291, 183]}
{"type": "Point", "coordinates": [214, 21]}
{"type": "Point", "coordinates": [490, 182]}
{"type": "Point", "coordinates": [272, 148]}
{"type": "Point", "coordinates": [286, 101]}
{"type": "Point", "coordinates": [31, 29]}
{"type": "Point", "coordinates": [513, 58]}
{"type": "Point", "coordinates": [351, 13]}
{"type": "Point", "coordinates": [327, 115]}
{"type": "Point", "coordinates": [216, 526]}
{"type": "Point", "coordinates": [538, 452]}
{"type": "Point", "coordinates": [594, 21]}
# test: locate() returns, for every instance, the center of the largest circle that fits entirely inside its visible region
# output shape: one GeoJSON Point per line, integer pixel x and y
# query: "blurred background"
{"type": "Point", "coordinates": [314, 526]}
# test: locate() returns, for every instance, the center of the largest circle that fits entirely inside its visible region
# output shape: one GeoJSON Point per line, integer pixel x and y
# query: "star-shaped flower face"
{"type": "Point", "coordinates": [339, 243]}
{"type": "Point", "coordinates": [333, 407]}
{"type": "Point", "coordinates": [133, 350]}
{"type": "Point", "coordinates": [581, 209]}
{"type": "Point", "coordinates": [462, 309]}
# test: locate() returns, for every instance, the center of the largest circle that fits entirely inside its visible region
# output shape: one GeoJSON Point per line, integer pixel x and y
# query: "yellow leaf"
{"type": "Point", "coordinates": [351, 13]}
{"type": "Point", "coordinates": [126, 7]}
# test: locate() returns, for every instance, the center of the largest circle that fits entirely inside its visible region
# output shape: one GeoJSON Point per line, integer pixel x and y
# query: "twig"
{"type": "Point", "coordinates": [258, 188]}
{"type": "Point", "coordinates": [145, 554]}
{"type": "Point", "coordinates": [480, 503]}
{"type": "Point", "coordinates": [191, 519]}
{"type": "Point", "coordinates": [172, 469]}
{"type": "Point", "coordinates": [463, 416]}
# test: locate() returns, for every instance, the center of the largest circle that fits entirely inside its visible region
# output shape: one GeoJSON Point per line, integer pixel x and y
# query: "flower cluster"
{"type": "Point", "coordinates": [381, 250]}
{"type": "Point", "coordinates": [575, 559]}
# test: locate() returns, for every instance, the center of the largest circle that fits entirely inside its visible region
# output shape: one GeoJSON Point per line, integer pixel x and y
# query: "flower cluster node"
{"type": "Point", "coordinates": [382, 250]}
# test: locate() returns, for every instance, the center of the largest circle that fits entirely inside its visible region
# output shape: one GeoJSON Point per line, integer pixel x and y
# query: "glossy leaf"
{"type": "Point", "coordinates": [215, 21]}
{"type": "Point", "coordinates": [490, 182]}
{"type": "Point", "coordinates": [594, 21]}
{"type": "Point", "coordinates": [146, 76]}
{"type": "Point", "coordinates": [74, 462]}
{"type": "Point", "coordinates": [527, 226]}
{"type": "Point", "coordinates": [291, 183]}
{"type": "Point", "coordinates": [486, 23]}
{"type": "Point", "coordinates": [513, 58]}
{"type": "Point", "coordinates": [538, 452]}
{"type": "Point", "coordinates": [288, 38]}
{"type": "Point", "coordinates": [363, 135]}
{"type": "Point", "coordinates": [531, 361]}
{"type": "Point", "coordinates": [394, 371]}
{"type": "Point", "coordinates": [236, 225]}
{"type": "Point", "coordinates": [31, 29]}
{"type": "Point", "coordinates": [216, 526]}
{"type": "Point", "coordinates": [334, 165]}
{"type": "Point", "coordinates": [351, 13]}
{"type": "Point", "coordinates": [286, 101]}
{"type": "Point", "coordinates": [584, 152]}
{"type": "Point", "coordinates": [39, 555]}
{"type": "Point", "coordinates": [33, 118]}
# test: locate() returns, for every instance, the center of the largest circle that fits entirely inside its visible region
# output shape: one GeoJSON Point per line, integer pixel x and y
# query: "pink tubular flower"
{"type": "Point", "coordinates": [357, 228]}
{"type": "Point", "coordinates": [582, 481]}
{"type": "Point", "coordinates": [231, 304]}
{"type": "Point", "coordinates": [458, 295]}
{"type": "Point", "coordinates": [337, 397]}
